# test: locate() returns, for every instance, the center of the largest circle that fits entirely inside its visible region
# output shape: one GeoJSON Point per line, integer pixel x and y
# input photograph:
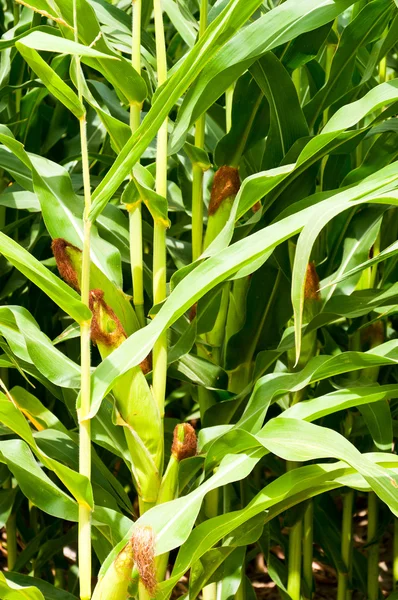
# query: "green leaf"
{"type": "Point", "coordinates": [296, 440]}
{"type": "Point", "coordinates": [119, 73]}
{"type": "Point", "coordinates": [35, 411]}
{"type": "Point", "coordinates": [381, 183]}
{"type": "Point", "coordinates": [249, 111]}
{"type": "Point", "coordinates": [368, 25]}
{"type": "Point", "coordinates": [320, 367]}
{"type": "Point", "coordinates": [55, 288]}
{"type": "Point", "coordinates": [53, 82]}
{"type": "Point", "coordinates": [30, 344]}
{"type": "Point", "coordinates": [223, 27]}
{"type": "Point", "coordinates": [285, 491]}
{"type": "Point", "coordinates": [39, 40]}
{"type": "Point", "coordinates": [12, 591]}
{"type": "Point", "coordinates": [287, 120]}
{"type": "Point", "coordinates": [285, 22]}
{"type": "Point", "coordinates": [225, 264]}
{"type": "Point", "coordinates": [79, 485]}
{"type": "Point", "coordinates": [34, 483]}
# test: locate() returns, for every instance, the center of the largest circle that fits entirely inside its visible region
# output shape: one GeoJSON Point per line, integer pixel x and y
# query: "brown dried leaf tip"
{"type": "Point", "coordinates": [184, 441]}
{"type": "Point", "coordinates": [61, 250]}
{"type": "Point", "coordinates": [226, 183]}
{"type": "Point", "coordinates": [143, 544]}
{"type": "Point", "coordinates": [311, 291]}
{"type": "Point", "coordinates": [105, 326]}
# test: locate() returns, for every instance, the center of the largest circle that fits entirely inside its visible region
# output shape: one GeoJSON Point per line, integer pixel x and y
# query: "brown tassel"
{"type": "Point", "coordinates": [184, 441]}
{"type": "Point", "coordinates": [226, 183]}
{"type": "Point", "coordinates": [143, 543]}
{"type": "Point", "coordinates": [61, 248]}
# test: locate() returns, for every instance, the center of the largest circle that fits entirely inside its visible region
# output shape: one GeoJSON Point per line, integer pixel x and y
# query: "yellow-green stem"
{"type": "Point", "coordinates": [346, 545]}
{"type": "Point", "coordinates": [294, 566]}
{"type": "Point", "coordinates": [16, 14]}
{"type": "Point", "coordinates": [84, 535]}
{"type": "Point", "coordinates": [295, 548]}
{"type": "Point", "coordinates": [11, 532]}
{"type": "Point", "coordinates": [159, 240]}
{"type": "Point", "coordinates": [383, 70]}
{"type": "Point", "coordinates": [330, 50]}
{"type": "Point", "coordinates": [308, 547]}
{"type": "Point", "coordinates": [395, 557]}
{"type": "Point", "coordinates": [197, 171]}
{"type": "Point", "coordinates": [209, 592]}
{"type": "Point", "coordinates": [84, 422]}
{"type": "Point", "coordinates": [296, 78]}
{"type": "Point", "coordinates": [136, 260]}
{"type": "Point", "coordinates": [135, 215]}
{"type": "Point", "coordinates": [229, 95]}
{"type": "Point", "coordinates": [373, 550]}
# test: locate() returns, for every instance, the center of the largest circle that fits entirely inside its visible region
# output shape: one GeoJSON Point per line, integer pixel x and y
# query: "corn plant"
{"type": "Point", "coordinates": [198, 319]}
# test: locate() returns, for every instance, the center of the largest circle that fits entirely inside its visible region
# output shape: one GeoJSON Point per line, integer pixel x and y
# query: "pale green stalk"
{"type": "Point", "coordinates": [209, 592]}
{"type": "Point", "coordinates": [346, 545]}
{"type": "Point", "coordinates": [84, 541]}
{"type": "Point", "coordinates": [296, 78]}
{"type": "Point", "coordinates": [11, 532]}
{"type": "Point", "coordinates": [11, 524]}
{"type": "Point", "coordinates": [383, 70]}
{"type": "Point", "coordinates": [373, 550]}
{"type": "Point", "coordinates": [395, 557]}
{"type": "Point", "coordinates": [159, 240]}
{"type": "Point", "coordinates": [308, 551]}
{"type": "Point", "coordinates": [229, 95]}
{"type": "Point", "coordinates": [135, 213]}
{"type": "Point", "coordinates": [295, 548]}
{"type": "Point", "coordinates": [330, 50]}
{"type": "Point", "coordinates": [197, 170]}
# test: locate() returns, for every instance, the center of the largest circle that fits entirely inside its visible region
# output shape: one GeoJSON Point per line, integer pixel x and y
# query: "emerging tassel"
{"type": "Point", "coordinates": [63, 253]}
{"type": "Point", "coordinates": [184, 441]}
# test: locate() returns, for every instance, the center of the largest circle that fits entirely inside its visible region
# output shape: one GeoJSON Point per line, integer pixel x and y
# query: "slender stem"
{"type": "Point", "coordinates": [308, 539]}
{"type": "Point", "coordinates": [209, 592]}
{"type": "Point", "coordinates": [229, 95]}
{"type": "Point", "coordinates": [11, 532]}
{"type": "Point", "coordinates": [383, 70]}
{"type": "Point", "coordinates": [84, 542]}
{"type": "Point", "coordinates": [294, 563]}
{"type": "Point", "coordinates": [136, 261]}
{"type": "Point", "coordinates": [296, 78]}
{"type": "Point", "coordinates": [159, 240]}
{"type": "Point", "coordinates": [135, 215]}
{"type": "Point", "coordinates": [16, 14]}
{"type": "Point", "coordinates": [346, 545]}
{"type": "Point", "coordinates": [373, 550]}
{"type": "Point", "coordinates": [395, 558]}
{"type": "Point", "coordinates": [294, 566]}
{"type": "Point", "coordinates": [197, 171]}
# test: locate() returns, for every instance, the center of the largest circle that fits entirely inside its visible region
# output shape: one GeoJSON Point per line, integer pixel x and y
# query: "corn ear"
{"type": "Point", "coordinates": [69, 263]}
{"type": "Point", "coordinates": [119, 579]}
{"type": "Point", "coordinates": [135, 407]}
{"type": "Point", "coordinates": [225, 186]}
